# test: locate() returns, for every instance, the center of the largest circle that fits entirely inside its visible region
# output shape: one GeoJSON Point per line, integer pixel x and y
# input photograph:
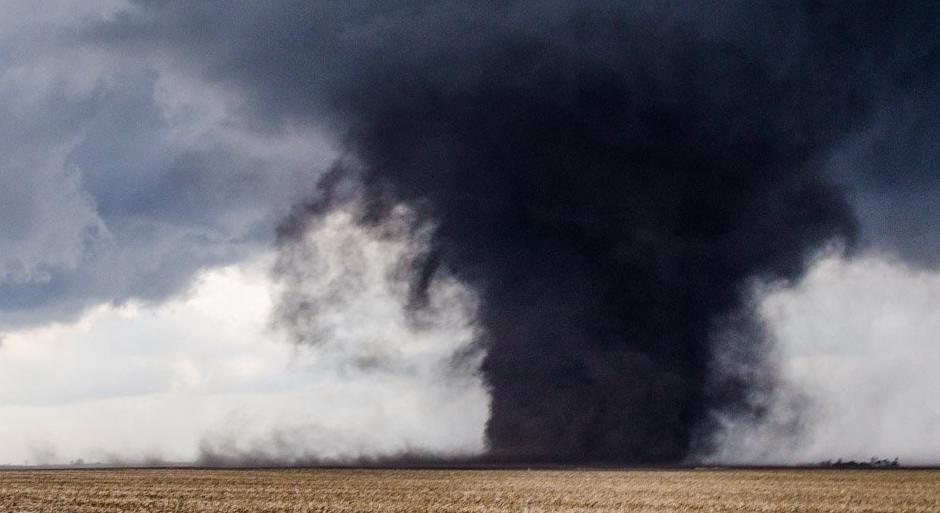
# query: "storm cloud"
{"type": "Point", "coordinates": [606, 180]}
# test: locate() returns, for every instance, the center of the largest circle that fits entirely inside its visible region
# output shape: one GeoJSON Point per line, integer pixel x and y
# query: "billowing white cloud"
{"type": "Point", "coordinates": [205, 372]}
{"type": "Point", "coordinates": [856, 348]}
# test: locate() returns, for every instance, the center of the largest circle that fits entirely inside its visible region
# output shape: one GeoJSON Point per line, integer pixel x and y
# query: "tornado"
{"type": "Point", "coordinates": [609, 179]}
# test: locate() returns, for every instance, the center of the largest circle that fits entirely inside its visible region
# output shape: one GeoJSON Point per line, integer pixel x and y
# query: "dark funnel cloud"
{"type": "Point", "coordinates": [607, 177]}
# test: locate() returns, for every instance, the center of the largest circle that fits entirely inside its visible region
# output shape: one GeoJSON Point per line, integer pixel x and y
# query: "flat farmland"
{"type": "Point", "coordinates": [322, 490]}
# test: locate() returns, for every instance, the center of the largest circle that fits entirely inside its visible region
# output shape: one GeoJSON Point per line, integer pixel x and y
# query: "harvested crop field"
{"type": "Point", "coordinates": [313, 490]}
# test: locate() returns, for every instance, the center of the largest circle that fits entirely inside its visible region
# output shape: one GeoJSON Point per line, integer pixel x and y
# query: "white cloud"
{"type": "Point", "coordinates": [857, 348]}
{"type": "Point", "coordinates": [135, 382]}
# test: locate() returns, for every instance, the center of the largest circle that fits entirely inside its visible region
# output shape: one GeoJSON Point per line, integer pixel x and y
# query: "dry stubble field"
{"type": "Point", "coordinates": [310, 490]}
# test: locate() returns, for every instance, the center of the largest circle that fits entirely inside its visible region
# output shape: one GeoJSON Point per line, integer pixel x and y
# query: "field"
{"type": "Point", "coordinates": [255, 491]}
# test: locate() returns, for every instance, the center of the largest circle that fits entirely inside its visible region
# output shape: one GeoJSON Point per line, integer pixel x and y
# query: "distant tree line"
{"type": "Point", "coordinates": [872, 463]}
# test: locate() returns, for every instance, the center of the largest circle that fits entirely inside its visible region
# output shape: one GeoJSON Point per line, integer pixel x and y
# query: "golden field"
{"type": "Point", "coordinates": [321, 490]}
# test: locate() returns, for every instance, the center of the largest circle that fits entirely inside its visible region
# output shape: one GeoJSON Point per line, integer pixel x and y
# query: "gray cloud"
{"type": "Point", "coordinates": [121, 177]}
{"type": "Point", "coordinates": [891, 168]}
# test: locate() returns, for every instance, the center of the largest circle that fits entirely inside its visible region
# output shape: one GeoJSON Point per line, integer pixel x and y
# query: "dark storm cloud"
{"type": "Point", "coordinates": [893, 169]}
{"type": "Point", "coordinates": [607, 177]}
{"type": "Point", "coordinates": [296, 60]}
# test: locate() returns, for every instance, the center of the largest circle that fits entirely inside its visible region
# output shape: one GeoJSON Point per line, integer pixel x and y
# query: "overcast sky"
{"type": "Point", "coordinates": [141, 184]}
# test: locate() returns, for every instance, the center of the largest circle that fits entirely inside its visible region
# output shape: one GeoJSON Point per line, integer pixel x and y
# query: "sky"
{"type": "Point", "coordinates": [175, 287]}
